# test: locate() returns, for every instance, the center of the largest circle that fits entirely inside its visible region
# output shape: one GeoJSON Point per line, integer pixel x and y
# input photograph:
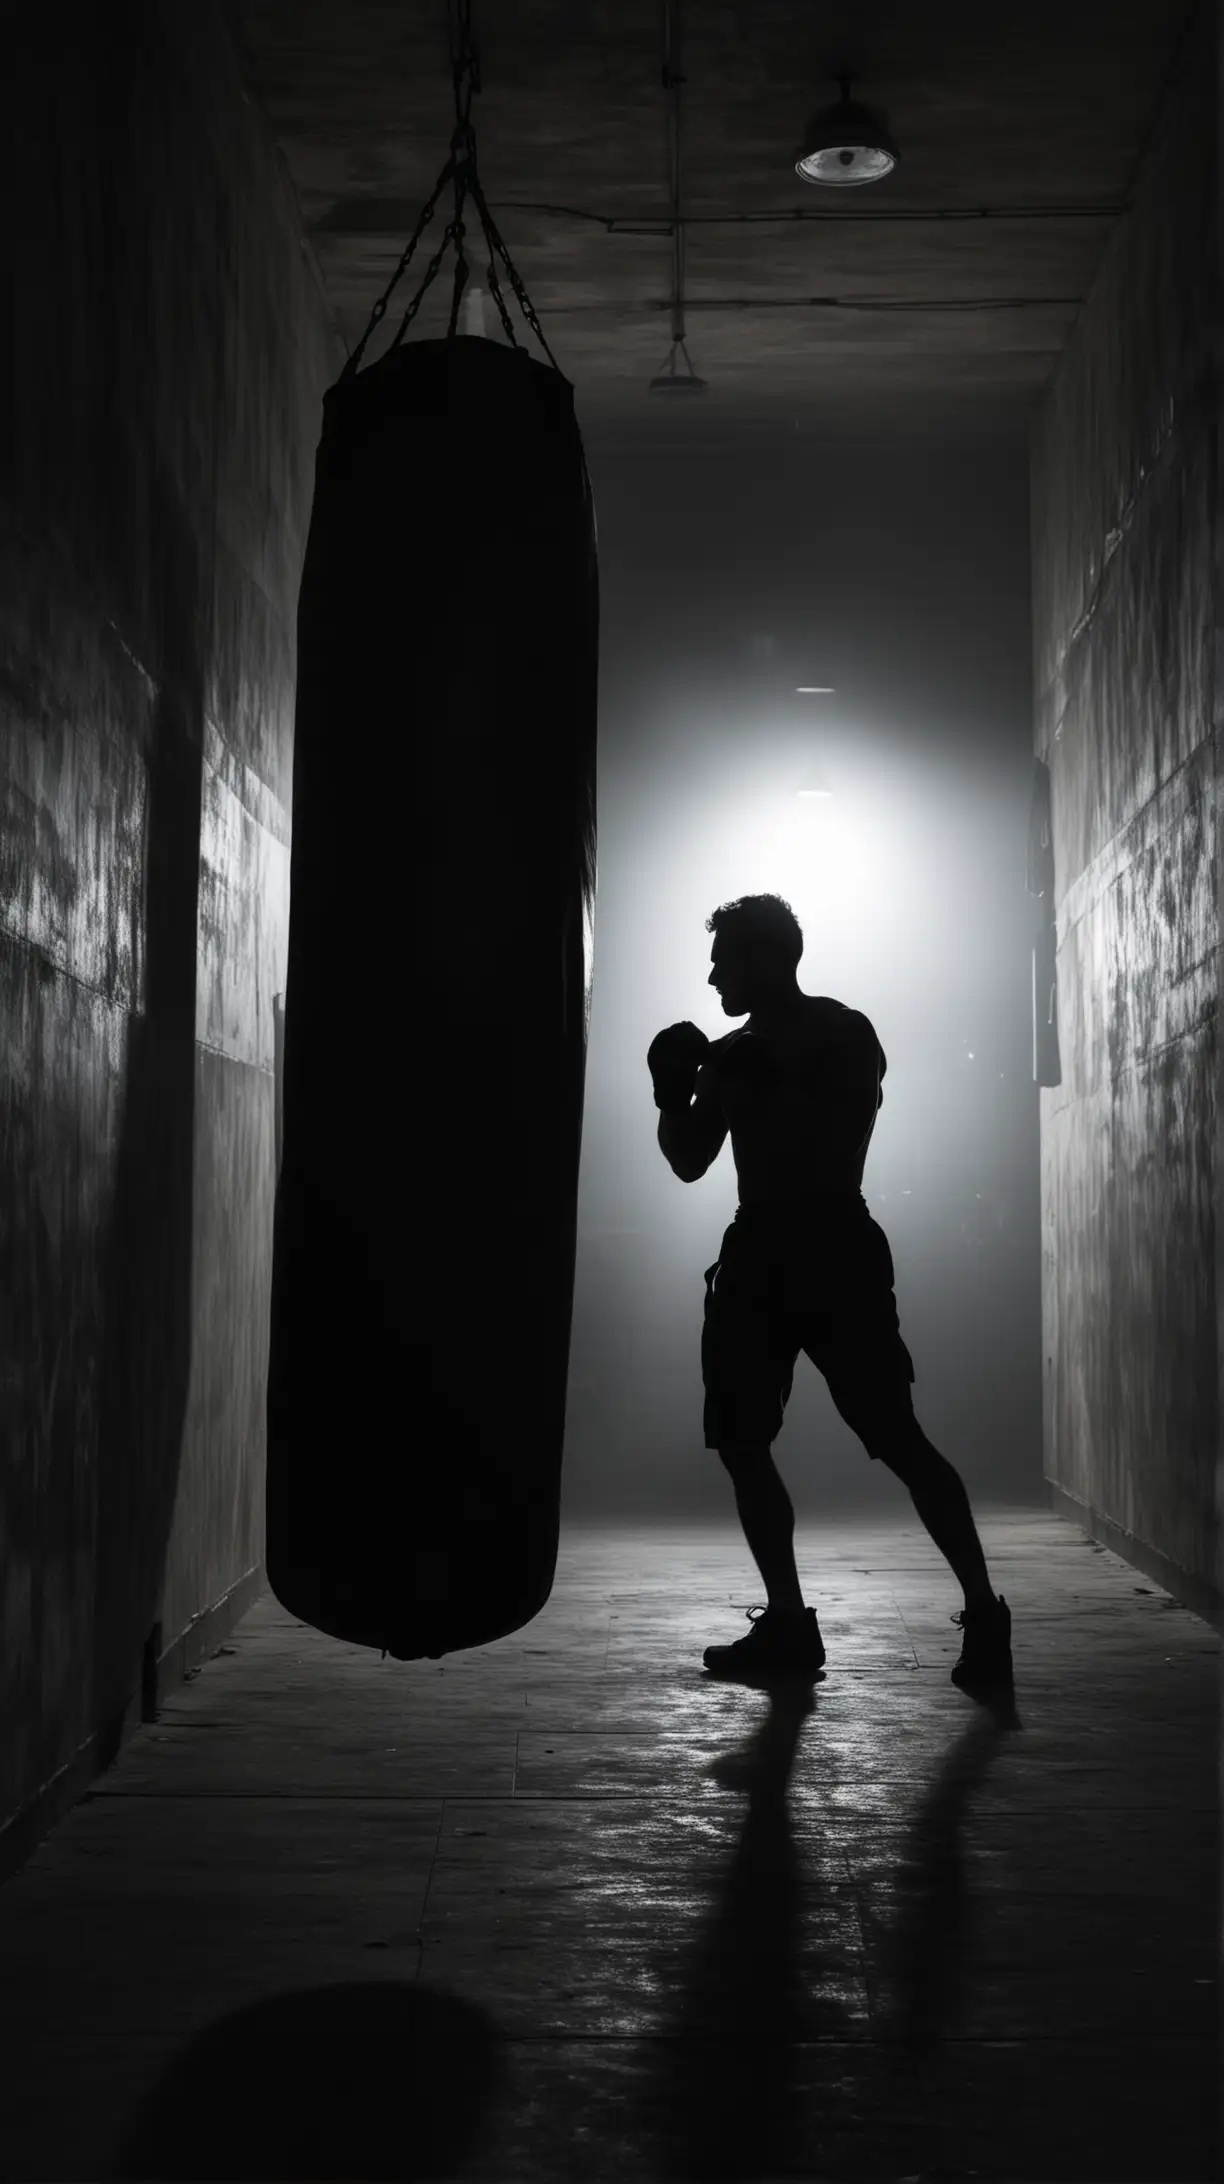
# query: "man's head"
{"type": "Point", "coordinates": [757, 946]}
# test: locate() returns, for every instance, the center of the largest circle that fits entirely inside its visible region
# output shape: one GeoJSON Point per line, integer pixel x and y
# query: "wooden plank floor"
{"type": "Point", "coordinates": [565, 1907]}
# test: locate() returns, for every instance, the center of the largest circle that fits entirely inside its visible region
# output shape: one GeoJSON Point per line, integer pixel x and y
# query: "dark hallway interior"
{"type": "Point", "coordinates": [910, 613]}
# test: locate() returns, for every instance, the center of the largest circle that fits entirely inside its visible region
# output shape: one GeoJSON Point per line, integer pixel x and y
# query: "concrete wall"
{"type": "Point", "coordinates": [1126, 616]}
{"type": "Point", "coordinates": [164, 352]}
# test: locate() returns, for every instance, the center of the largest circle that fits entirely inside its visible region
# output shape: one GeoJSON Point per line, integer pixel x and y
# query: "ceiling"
{"type": "Point", "coordinates": [878, 305]}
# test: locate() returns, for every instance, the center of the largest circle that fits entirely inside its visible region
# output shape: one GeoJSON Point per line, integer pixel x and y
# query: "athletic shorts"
{"type": "Point", "coordinates": [808, 1279]}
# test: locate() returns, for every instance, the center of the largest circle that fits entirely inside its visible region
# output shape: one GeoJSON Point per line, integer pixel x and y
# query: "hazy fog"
{"type": "Point", "coordinates": [730, 575]}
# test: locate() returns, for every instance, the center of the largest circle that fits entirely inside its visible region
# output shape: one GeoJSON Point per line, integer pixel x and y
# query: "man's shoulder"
{"type": "Point", "coordinates": [836, 1015]}
{"type": "Point", "coordinates": [837, 1022]}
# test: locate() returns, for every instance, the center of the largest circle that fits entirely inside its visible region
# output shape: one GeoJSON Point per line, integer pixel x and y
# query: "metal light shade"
{"type": "Point", "coordinates": [671, 381]}
{"type": "Point", "coordinates": [677, 383]}
{"type": "Point", "coordinates": [844, 146]}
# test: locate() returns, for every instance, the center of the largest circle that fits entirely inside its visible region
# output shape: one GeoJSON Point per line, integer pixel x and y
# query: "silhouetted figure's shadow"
{"type": "Point", "coordinates": [366, 2080]}
{"type": "Point", "coordinates": [927, 1942]}
{"type": "Point", "coordinates": [724, 2099]}
{"type": "Point", "coordinates": [727, 2099]}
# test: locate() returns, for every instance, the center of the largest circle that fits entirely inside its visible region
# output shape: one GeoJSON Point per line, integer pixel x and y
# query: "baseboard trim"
{"type": "Point", "coordinates": [192, 1647]}
{"type": "Point", "coordinates": [20, 1836]}
{"type": "Point", "coordinates": [1202, 1599]}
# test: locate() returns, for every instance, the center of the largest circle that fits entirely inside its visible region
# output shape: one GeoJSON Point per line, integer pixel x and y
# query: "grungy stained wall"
{"type": "Point", "coordinates": [165, 351]}
{"type": "Point", "coordinates": [1124, 483]}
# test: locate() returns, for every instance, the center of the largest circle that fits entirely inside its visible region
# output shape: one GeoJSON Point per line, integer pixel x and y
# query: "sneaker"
{"type": "Point", "coordinates": [986, 1662]}
{"type": "Point", "coordinates": [777, 1645]}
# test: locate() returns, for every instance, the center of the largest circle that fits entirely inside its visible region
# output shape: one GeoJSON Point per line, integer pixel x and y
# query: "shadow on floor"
{"type": "Point", "coordinates": [725, 2098]}
{"type": "Point", "coordinates": [725, 2094]}
{"type": "Point", "coordinates": [927, 1941]}
{"type": "Point", "coordinates": [384, 2080]}
{"type": "Point", "coordinates": [371, 2080]}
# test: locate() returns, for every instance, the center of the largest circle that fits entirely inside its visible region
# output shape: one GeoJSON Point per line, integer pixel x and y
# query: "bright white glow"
{"type": "Point", "coordinates": [817, 855]}
{"type": "Point", "coordinates": [814, 690]}
{"type": "Point", "coordinates": [814, 783]}
{"type": "Point", "coordinates": [831, 857]}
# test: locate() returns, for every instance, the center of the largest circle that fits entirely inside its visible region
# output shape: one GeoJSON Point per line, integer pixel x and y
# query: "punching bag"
{"type": "Point", "coordinates": [442, 887]}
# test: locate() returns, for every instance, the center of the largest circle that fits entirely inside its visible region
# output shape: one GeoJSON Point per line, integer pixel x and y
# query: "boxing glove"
{"type": "Point", "coordinates": [673, 1059]}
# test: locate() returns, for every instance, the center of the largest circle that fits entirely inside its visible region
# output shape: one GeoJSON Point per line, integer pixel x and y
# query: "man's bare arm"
{"type": "Point", "coordinates": [691, 1138]}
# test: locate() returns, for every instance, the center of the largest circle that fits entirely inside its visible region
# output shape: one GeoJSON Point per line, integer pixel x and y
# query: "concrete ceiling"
{"type": "Point", "coordinates": [875, 306]}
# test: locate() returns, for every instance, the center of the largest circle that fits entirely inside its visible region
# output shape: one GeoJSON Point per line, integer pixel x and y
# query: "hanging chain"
{"type": "Point", "coordinates": [674, 80]}
{"type": "Point", "coordinates": [460, 169]}
{"type": "Point", "coordinates": [465, 82]}
{"type": "Point", "coordinates": [493, 237]}
{"type": "Point", "coordinates": [400, 270]}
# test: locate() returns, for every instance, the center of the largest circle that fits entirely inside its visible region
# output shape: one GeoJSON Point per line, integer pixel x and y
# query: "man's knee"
{"type": "Point", "coordinates": [742, 1457]}
{"type": "Point", "coordinates": [901, 1445]}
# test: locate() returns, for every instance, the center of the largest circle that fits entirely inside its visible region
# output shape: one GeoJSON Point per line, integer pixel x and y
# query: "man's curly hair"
{"type": "Point", "coordinates": [763, 918]}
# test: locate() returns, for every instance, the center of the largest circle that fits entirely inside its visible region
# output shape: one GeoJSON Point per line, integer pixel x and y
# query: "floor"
{"type": "Point", "coordinates": [565, 1907]}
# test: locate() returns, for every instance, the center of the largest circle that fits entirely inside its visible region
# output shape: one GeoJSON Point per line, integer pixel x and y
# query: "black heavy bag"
{"type": "Point", "coordinates": [437, 1002]}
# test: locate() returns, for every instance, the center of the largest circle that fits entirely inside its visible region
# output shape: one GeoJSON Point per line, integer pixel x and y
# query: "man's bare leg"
{"type": "Point", "coordinates": [939, 1496]}
{"type": "Point", "coordinates": [767, 1515]}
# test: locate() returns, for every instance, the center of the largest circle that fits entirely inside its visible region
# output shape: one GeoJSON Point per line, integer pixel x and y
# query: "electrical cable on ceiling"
{"type": "Point", "coordinates": [626, 224]}
{"type": "Point", "coordinates": [827, 303]}
{"type": "Point", "coordinates": [881, 303]}
{"type": "Point", "coordinates": [375, 215]}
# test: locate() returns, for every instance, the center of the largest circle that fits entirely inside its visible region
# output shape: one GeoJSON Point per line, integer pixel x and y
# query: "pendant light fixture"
{"type": "Point", "coordinates": [673, 380]}
{"type": "Point", "coordinates": [846, 145]}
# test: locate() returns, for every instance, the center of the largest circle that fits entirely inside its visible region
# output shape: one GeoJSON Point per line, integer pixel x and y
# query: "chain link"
{"type": "Point", "coordinates": [498, 298]}
{"type": "Point", "coordinates": [431, 274]}
{"type": "Point", "coordinates": [461, 170]}
{"type": "Point", "coordinates": [385, 298]}
{"type": "Point", "coordinates": [493, 238]}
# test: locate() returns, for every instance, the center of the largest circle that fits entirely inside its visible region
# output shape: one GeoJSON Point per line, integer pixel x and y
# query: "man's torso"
{"type": "Point", "coordinates": [800, 1101]}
